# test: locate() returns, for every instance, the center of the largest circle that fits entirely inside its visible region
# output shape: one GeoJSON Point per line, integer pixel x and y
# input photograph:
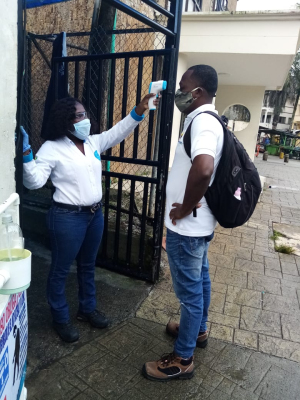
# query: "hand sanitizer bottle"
{"type": "Point", "coordinates": [10, 238]}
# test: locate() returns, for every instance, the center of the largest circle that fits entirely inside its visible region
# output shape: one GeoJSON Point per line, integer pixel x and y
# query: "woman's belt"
{"type": "Point", "coordinates": [72, 207]}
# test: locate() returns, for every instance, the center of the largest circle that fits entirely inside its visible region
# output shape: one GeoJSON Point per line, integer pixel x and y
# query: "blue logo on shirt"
{"type": "Point", "coordinates": [97, 155]}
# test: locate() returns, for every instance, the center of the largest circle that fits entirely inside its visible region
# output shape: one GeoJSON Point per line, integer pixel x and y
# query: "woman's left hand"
{"type": "Point", "coordinates": [143, 105]}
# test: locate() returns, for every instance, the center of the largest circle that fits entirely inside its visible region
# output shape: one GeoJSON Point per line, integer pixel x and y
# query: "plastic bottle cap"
{"type": "Point", "coordinates": [6, 219]}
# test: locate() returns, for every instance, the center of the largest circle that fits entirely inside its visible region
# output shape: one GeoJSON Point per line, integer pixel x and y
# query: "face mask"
{"type": "Point", "coordinates": [82, 129]}
{"type": "Point", "coordinates": [184, 99]}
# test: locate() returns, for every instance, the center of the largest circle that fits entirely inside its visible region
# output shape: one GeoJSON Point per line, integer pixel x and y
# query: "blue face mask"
{"type": "Point", "coordinates": [82, 129]}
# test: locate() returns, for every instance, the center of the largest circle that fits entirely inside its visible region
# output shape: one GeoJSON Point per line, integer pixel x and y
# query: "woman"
{"type": "Point", "coordinates": [71, 158]}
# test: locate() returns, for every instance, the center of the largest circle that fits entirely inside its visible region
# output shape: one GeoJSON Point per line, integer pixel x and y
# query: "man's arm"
{"type": "Point", "coordinates": [197, 184]}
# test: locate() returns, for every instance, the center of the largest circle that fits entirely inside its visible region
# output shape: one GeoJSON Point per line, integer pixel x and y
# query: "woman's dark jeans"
{"type": "Point", "coordinates": [74, 235]}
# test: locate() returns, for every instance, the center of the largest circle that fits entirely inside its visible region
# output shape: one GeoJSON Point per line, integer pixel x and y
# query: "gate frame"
{"type": "Point", "coordinates": [170, 53]}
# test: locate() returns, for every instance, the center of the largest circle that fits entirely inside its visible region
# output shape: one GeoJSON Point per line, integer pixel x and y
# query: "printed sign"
{"type": "Point", "coordinates": [3, 371]}
{"type": "Point", "coordinates": [13, 346]}
{"type": "Point", "coordinates": [39, 3]}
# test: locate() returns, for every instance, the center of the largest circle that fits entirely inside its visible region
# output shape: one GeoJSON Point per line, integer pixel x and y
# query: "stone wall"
{"type": "Point", "coordinates": [71, 16]}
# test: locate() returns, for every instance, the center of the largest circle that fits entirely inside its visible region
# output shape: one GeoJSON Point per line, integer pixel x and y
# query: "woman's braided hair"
{"type": "Point", "coordinates": [61, 118]}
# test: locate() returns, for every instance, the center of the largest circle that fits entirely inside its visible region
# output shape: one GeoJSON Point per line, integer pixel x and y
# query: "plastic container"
{"type": "Point", "coordinates": [15, 276]}
{"type": "Point", "coordinates": [11, 237]}
{"type": "Point", "coordinates": [15, 262]}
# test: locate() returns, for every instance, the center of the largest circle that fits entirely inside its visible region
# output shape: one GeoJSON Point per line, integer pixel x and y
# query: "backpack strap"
{"type": "Point", "coordinates": [187, 136]}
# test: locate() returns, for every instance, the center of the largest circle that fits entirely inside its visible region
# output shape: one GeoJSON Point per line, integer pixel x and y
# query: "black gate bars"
{"type": "Point", "coordinates": [110, 81]}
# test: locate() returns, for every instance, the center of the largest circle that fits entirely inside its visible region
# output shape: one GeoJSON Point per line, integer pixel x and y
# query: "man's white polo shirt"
{"type": "Point", "coordinates": [206, 138]}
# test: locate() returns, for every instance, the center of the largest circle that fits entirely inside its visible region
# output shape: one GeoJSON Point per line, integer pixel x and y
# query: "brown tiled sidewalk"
{"type": "Point", "coordinates": [254, 345]}
{"type": "Point", "coordinates": [255, 291]}
{"type": "Point", "coordinates": [110, 368]}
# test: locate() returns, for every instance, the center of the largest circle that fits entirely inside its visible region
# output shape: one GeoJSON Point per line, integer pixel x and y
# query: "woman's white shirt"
{"type": "Point", "coordinates": [75, 176]}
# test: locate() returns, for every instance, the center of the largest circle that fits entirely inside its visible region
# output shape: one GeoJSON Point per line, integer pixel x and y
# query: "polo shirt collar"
{"type": "Point", "coordinates": [205, 107]}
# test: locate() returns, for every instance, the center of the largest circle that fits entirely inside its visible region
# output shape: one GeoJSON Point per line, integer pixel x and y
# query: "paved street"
{"type": "Point", "coordinates": [255, 291]}
{"type": "Point", "coordinates": [254, 345]}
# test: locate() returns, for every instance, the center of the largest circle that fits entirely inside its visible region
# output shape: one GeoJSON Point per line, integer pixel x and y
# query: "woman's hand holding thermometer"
{"type": "Point", "coordinates": [155, 87]}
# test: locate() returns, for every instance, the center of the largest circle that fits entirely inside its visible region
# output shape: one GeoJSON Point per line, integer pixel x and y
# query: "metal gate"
{"type": "Point", "coordinates": [134, 172]}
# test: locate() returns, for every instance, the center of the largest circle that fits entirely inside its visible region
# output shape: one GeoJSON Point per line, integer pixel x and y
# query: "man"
{"type": "Point", "coordinates": [188, 232]}
{"type": "Point", "coordinates": [257, 148]}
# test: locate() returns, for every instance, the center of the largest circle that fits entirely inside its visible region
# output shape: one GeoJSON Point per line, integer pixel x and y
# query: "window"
{"type": "Point", "coordinates": [269, 118]}
{"type": "Point", "coordinates": [262, 118]}
{"type": "Point", "coordinates": [219, 5]}
{"type": "Point", "coordinates": [281, 120]}
{"type": "Point", "coordinates": [266, 98]}
{"type": "Point", "coordinates": [192, 5]}
{"type": "Point", "coordinates": [238, 117]}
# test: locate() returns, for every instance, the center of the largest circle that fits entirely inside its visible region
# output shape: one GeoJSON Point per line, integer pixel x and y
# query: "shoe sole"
{"type": "Point", "coordinates": [201, 345]}
{"type": "Point", "coordinates": [84, 319]}
{"type": "Point", "coordinates": [185, 376]}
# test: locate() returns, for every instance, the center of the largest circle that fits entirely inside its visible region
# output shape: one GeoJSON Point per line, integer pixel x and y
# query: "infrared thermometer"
{"type": "Point", "coordinates": [156, 87]}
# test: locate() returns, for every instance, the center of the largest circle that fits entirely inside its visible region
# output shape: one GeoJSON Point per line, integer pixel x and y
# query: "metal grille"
{"type": "Point", "coordinates": [38, 73]}
{"type": "Point", "coordinates": [193, 5]}
{"type": "Point", "coordinates": [110, 72]}
{"type": "Point", "coordinates": [38, 68]}
{"type": "Point", "coordinates": [220, 5]}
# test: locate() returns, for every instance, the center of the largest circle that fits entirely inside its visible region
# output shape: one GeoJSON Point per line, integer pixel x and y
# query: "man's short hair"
{"type": "Point", "coordinates": [206, 77]}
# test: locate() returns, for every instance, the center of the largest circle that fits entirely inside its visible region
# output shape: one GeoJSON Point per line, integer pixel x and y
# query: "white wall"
{"type": "Point", "coordinates": [8, 95]}
{"type": "Point", "coordinates": [242, 47]}
{"type": "Point", "coordinates": [250, 97]}
{"type": "Point", "coordinates": [240, 33]}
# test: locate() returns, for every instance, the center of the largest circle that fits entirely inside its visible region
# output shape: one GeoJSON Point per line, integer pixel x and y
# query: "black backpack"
{"type": "Point", "coordinates": [235, 170]}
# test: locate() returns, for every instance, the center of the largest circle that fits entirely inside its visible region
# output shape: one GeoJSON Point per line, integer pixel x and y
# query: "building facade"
{"type": "Point", "coordinates": [243, 47]}
{"type": "Point", "coordinates": [209, 5]}
{"type": "Point", "coordinates": [285, 117]}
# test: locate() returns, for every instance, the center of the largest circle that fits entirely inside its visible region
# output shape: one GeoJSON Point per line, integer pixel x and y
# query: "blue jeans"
{"type": "Point", "coordinates": [189, 269]}
{"type": "Point", "coordinates": [73, 234]}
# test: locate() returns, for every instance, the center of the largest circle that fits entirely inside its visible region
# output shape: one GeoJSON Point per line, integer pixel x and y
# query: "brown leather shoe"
{"type": "Point", "coordinates": [169, 367]}
{"type": "Point", "coordinates": [172, 329]}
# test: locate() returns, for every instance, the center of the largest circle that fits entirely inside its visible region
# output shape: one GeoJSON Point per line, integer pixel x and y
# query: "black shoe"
{"type": "Point", "coordinates": [67, 332]}
{"type": "Point", "coordinates": [95, 318]}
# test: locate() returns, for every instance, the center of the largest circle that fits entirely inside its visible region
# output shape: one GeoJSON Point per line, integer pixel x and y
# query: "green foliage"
{"type": "Point", "coordinates": [290, 91]}
{"type": "Point", "coordinates": [276, 235]}
{"type": "Point", "coordinates": [283, 248]}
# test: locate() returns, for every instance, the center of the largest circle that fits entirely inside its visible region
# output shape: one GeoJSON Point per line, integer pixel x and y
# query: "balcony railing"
{"type": "Point", "coordinates": [196, 5]}
{"type": "Point", "coordinates": [193, 5]}
{"type": "Point", "coordinates": [220, 5]}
